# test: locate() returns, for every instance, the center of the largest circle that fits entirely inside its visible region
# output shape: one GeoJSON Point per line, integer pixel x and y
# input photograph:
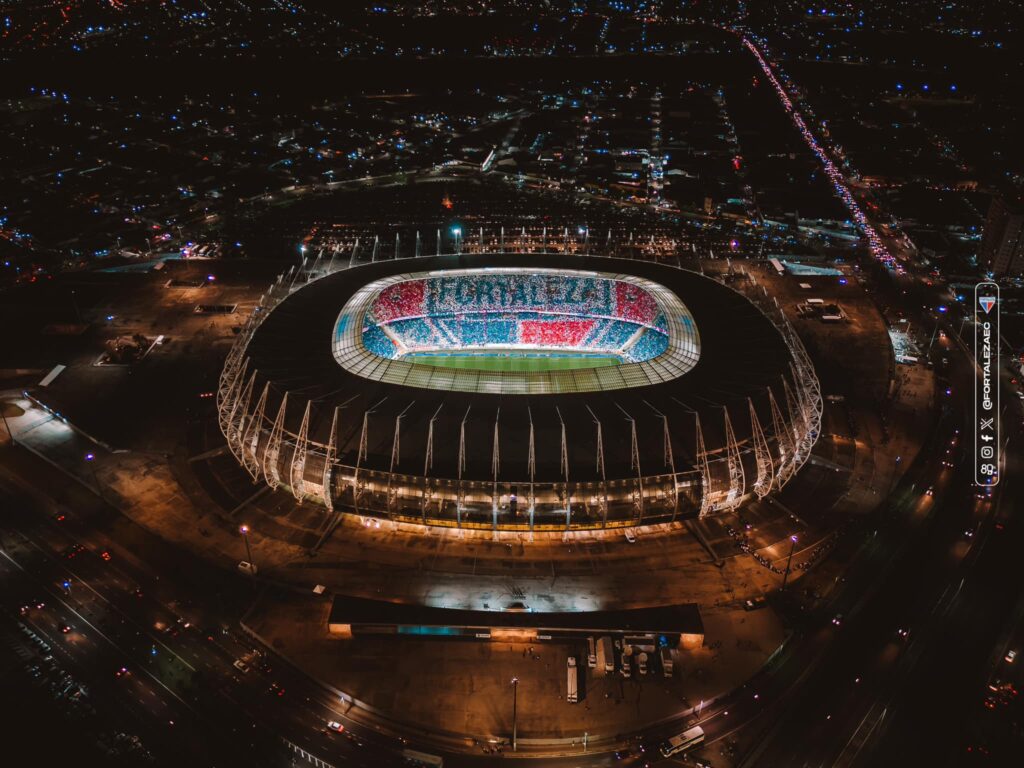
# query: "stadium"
{"type": "Point", "coordinates": [518, 391]}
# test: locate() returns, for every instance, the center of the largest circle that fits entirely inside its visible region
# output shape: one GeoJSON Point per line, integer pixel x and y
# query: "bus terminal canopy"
{"type": "Point", "coordinates": [356, 615]}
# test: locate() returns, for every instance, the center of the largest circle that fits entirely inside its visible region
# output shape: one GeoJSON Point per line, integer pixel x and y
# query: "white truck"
{"type": "Point", "coordinates": [591, 653]}
{"type": "Point", "coordinates": [605, 655]}
{"type": "Point", "coordinates": [571, 690]}
{"type": "Point", "coordinates": [666, 661]}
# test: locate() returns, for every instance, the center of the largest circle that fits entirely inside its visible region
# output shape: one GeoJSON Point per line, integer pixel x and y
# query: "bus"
{"type": "Point", "coordinates": [421, 759]}
{"type": "Point", "coordinates": [686, 740]}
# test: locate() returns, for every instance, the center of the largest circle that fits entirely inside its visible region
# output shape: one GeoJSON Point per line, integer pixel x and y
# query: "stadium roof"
{"type": "Point", "coordinates": [742, 354]}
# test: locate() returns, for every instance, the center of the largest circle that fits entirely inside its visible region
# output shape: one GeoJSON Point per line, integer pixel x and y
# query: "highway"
{"type": "Point", "coordinates": [187, 701]}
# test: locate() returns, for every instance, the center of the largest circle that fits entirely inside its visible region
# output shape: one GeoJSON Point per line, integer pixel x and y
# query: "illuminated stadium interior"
{"type": "Point", "coordinates": [513, 332]}
{"type": "Point", "coordinates": [400, 430]}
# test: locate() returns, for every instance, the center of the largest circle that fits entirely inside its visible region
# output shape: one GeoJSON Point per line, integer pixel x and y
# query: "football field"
{"type": "Point", "coordinates": [513, 361]}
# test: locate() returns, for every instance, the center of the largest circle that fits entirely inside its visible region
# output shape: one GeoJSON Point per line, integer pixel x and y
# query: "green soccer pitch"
{"type": "Point", "coordinates": [529, 362]}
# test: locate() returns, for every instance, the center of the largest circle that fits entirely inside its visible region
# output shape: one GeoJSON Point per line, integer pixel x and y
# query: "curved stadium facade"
{"type": "Point", "coordinates": [485, 390]}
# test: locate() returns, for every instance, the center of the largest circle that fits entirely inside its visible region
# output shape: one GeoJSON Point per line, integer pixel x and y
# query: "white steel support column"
{"type": "Point", "coordinates": [670, 460]}
{"type": "Point", "coordinates": [603, 499]}
{"type": "Point", "coordinates": [296, 478]}
{"type": "Point", "coordinates": [352, 256]}
{"type": "Point", "coordinates": [763, 456]}
{"type": "Point", "coordinates": [784, 441]}
{"type": "Point", "coordinates": [230, 384]}
{"type": "Point", "coordinates": [705, 470]}
{"type": "Point", "coordinates": [334, 255]}
{"type": "Point", "coordinates": [251, 438]}
{"type": "Point", "coordinates": [271, 471]}
{"type": "Point", "coordinates": [428, 465]}
{"type": "Point", "coordinates": [531, 459]}
{"type": "Point", "coordinates": [396, 458]}
{"type": "Point", "coordinates": [638, 497]}
{"type": "Point", "coordinates": [235, 425]}
{"type": "Point", "coordinates": [796, 422]}
{"type": "Point", "coordinates": [737, 477]}
{"type": "Point", "coordinates": [330, 453]}
{"type": "Point", "coordinates": [495, 468]}
{"type": "Point", "coordinates": [358, 482]}
{"type": "Point", "coordinates": [460, 493]}
{"type": "Point", "coordinates": [565, 464]}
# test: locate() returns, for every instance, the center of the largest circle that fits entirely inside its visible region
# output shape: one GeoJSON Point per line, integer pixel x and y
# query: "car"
{"type": "Point", "coordinates": [630, 535]}
{"type": "Point", "coordinates": [998, 685]}
{"type": "Point", "coordinates": [930, 491]}
{"type": "Point", "coordinates": [1010, 656]}
{"type": "Point", "coordinates": [837, 619]}
{"type": "Point", "coordinates": [335, 726]}
{"type": "Point", "coordinates": [902, 633]}
{"type": "Point", "coordinates": [105, 555]}
{"type": "Point", "coordinates": [240, 665]}
{"type": "Point", "coordinates": [73, 551]}
{"type": "Point", "coordinates": [276, 689]}
{"type": "Point", "coordinates": [137, 592]}
{"type": "Point", "coordinates": [121, 672]}
{"type": "Point", "coordinates": [65, 628]}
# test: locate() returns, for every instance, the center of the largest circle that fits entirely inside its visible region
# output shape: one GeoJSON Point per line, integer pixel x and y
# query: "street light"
{"type": "Point", "coordinates": [244, 530]}
{"type": "Point", "coordinates": [515, 696]}
{"type": "Point", "coordinates": [792, 544]}
{"type": "Point", "coordinates": [89, 458]}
